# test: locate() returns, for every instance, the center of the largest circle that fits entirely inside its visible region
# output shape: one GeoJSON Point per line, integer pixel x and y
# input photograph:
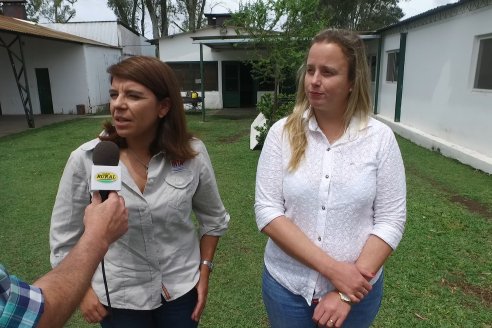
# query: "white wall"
{"type": "Point", "coordinates": [438, 96]}
{"type": "Point", "coordinates": [134, 44]}
{"type": "Point", "coordinates": [66, 76]}
{"type": "Point", "coordinates": [10, 101]}
{"type": "Point", "coordinates": [104, 32]}
{"type": "Point", "coordinates": [98, 59]}
{"type": "Point", "coordinates": [109, 32]}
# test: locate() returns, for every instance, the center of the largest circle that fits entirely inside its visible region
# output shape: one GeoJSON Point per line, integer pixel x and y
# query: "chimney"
{"type": "Point", "coordinates": [14, 8]}
{"type": "Point", "coordinates": [215, 20]}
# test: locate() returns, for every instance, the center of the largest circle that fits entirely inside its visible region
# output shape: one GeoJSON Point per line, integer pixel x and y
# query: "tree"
{"type": "Point", "coordinates": [126, 11]}
{"type": "Point", "coordinates": [164, 18]}
{"type": "Point", "coordinates": [190, 12]}
{"type": "Point", "coordinates": [278, 54]}
{"type": "Point", "coordinates": [58, 11]}
{"type": "Point", "coordinates": [32, 10]}
{"type": "Point", "coordinates": [186, 15]}
{"type": "Point", "coordinates": [153, 10]}
{"type": "Point", "coordinates": [362, 15]}
{"type": "Point", "coordinates": [55, 11]}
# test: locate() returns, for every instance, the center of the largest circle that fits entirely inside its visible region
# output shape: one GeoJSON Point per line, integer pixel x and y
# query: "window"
{"type": "Point", "coordinates": [371, 63]}
{"type": "Point", "coordinates": [483, 74]}
{"type": "Point", "coordinates": [392, 67]}
{"type": "Point", "coordinates": [188, 75]}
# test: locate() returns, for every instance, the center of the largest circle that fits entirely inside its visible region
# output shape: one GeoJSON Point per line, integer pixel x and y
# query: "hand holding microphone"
{"type": "Point", "coordinates": [106, 177]}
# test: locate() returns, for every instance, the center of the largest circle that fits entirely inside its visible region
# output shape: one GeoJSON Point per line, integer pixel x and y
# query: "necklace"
{"type": "Point", "coordinates": [138, 160]}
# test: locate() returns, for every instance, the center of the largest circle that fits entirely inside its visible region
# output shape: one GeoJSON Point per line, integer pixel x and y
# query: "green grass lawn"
{"type": "Point", "coordinates": [440, 276]}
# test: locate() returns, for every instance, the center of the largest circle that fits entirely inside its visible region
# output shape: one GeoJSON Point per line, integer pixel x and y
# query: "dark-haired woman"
{"type": "Point", "coordinates": [158, 272]}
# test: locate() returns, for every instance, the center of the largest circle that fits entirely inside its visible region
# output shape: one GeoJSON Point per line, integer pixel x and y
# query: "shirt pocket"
{"type": "Point", "coordinates": [179, 191]}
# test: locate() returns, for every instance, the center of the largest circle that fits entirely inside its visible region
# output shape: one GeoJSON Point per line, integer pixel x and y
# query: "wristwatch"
{"type": "Point", "coordinates": [208, 263]}
{"type": "Point", "coordinates": [345, 298]}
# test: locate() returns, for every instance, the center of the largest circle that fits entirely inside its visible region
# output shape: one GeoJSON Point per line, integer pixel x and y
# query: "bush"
{"type": "Point", "coordinates": [272, 114]}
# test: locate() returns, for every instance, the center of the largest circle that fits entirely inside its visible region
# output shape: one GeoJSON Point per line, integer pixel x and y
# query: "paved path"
{"type": "Point", "coordinates": [11, 124]}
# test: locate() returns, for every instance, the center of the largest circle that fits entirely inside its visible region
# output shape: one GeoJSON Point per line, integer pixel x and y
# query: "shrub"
{"type": "Point", "coordinates": [272, 114]}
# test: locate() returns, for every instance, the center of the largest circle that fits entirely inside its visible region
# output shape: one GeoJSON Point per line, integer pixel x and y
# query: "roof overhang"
{"type": "Point", "coordinates": [238, 42]}
{"type": "Point", "coordinates": [21, 27]}
{"type": "Point", "coordinates": [226, 44]}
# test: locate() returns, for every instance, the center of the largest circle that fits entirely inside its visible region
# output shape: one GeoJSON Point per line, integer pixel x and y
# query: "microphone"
{"type": "Point", "coordinates": [106, 173]}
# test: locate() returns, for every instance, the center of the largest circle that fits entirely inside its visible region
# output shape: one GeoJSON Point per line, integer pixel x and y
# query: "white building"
{"type": "Point", "coordinates": [113, 33]}
{"type": "Point", "coordinates": [49, 72]}
{"type": "Point", "coordinates": [434, 85]}
{"type": "Point", "coordinates": [228, 80]}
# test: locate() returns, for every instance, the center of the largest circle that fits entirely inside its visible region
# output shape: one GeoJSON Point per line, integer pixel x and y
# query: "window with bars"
{"type": "Point", "coordinates": [188, 75]}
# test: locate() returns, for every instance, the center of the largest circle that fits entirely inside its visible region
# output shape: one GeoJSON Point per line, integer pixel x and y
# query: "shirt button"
{"type": "Point", "coordinates": [323, 207]}
{"type": "Point", "coordinates": [327, 176]}
{"type": "Point", "coordinates": [319, 238]}
{"type": "Point", "coordinates": [328, 149]}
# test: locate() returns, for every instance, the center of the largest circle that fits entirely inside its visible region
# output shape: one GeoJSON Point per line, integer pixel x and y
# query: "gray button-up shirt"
{"type": "Point", "coordinates": [161, 248]}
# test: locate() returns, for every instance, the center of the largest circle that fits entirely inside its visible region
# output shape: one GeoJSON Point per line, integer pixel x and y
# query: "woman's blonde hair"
{"type": "Point", "coordinates": [359, 102]}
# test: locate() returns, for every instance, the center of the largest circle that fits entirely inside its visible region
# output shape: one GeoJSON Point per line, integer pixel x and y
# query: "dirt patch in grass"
{"type": "Point", "coordinates": [483, 293]}
{"type": "Point", "coordinates": [471, 205]}
{"type": "Point", "coordinates": [234, 138]}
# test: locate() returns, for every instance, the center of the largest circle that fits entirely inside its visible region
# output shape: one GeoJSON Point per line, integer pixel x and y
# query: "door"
{"type": "Point", "coordinates": [238, 87]}
{"type": "Point", "coordinates": [230, 84]}
{"type": "Point", "coordinates": [247, 86]}
{"type": "Point", "coordinates": [44, 90]}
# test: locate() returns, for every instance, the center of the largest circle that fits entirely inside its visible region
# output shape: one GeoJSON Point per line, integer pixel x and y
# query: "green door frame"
{"type": "Point", "coordinates": [401, 69]}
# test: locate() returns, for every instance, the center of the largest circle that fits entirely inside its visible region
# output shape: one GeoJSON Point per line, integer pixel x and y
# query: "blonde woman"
{"type": "Point", "coordinates": [330, 194]}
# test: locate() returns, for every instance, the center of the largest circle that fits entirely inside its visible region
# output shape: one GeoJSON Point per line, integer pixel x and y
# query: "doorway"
{"type": "Point", "coordinates": [238, 86]}
{"type": "Point", "coordinates": [44, 90]}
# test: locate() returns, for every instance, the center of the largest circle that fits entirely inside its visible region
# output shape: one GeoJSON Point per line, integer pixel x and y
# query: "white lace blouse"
{"type": "Point", "coordinates": [340, 195]}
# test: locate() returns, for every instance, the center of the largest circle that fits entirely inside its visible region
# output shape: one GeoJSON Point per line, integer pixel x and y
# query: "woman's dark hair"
{"type": "Point", "coordinates": [172, 135]}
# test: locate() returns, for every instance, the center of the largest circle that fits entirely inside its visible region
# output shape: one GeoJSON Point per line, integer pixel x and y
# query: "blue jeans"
{"type": "Point", "coordinates": [171, 314]}
{"type": "Point", "coordinates": [288, 310]}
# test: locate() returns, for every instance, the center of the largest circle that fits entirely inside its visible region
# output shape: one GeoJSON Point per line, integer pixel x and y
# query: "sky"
{"type": "Point", "coordinates": [96, 10]}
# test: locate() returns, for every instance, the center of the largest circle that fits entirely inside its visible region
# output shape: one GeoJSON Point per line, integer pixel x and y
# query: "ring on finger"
{"type": "Point", "coordinates": [330, 323]}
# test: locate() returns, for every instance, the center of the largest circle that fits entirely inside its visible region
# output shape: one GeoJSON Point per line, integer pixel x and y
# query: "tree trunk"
{"type": "Point", "coordinates": [164, 21]}
{"type": "Point", "coordinates": [153, 19]}
{"type": "Point", "coordinates": [142, 21]}
{"type": "Point", "coordinates": [134, 15]}
{"type": "Point", "coordinates": [191, 9]}
{"type": "Point", "coordinates": [200, 16]}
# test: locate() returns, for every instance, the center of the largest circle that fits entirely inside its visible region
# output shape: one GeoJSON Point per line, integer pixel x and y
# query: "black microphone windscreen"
{"type": "Point", "coordinates": [106, 153]}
